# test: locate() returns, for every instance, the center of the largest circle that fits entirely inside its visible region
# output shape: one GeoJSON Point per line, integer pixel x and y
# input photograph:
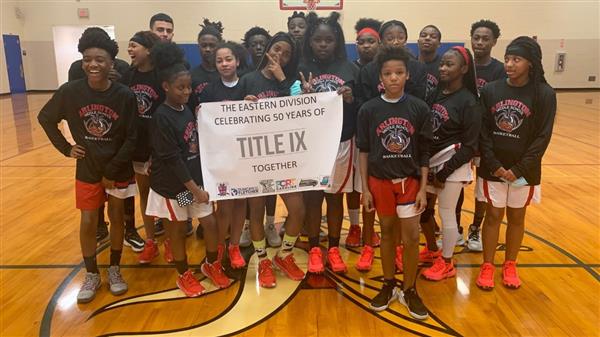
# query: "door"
{"type": "Point", "coordinates": [14, 63]}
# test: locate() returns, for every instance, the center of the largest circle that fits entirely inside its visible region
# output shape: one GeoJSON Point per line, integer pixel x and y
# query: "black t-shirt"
{"type": "Point", "coordinates": [513, 134]}
{"type": "Point", "coordinates": [103, 123]}
{"type": "Point", "coordinates": [330, 77]}
{"type": "Point", "coordinates": [256, 84]}
{"type": "Point", "coordinates": [489, 73]}
{"type": "Point", "coordinates": [200, 79]}
{"type": "Point", "coordinates": [122, 67]}
{"type": "Point", "coordinates": [432, 70]}
{"type": "Point", "coordinates": [371, 86]}
{"type": "Point", "coordinates": [175, 151]}
{"type": "Point", "coordinates": [397, 136]}
{"type": "Point", "coordinates": [149, 93]}
{"type": "Point", "coordinates": [216, 91]}
{"type": "Point", "coordinates": [456, 119]}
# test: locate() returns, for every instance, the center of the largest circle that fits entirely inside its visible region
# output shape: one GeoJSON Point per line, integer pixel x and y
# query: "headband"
{"type": "Point", "coordinates": [464, 54]}
{"type": "Point", "coordinates": [368, 30]}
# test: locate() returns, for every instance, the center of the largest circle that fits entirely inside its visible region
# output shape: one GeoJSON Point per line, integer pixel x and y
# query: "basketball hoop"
{"type": "Point", "coordinates": [311, 5]}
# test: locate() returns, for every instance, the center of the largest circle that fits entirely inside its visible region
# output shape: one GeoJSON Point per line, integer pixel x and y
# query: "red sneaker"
{"type": "Point", "coordinates": [440, 270]}
{"type": "Point", "coordinates": [376, 240]}
{"type": "Point", "coordinates": [289, 267]}
{"type": "Point", "coordinates": [428, 256]}
{"type": "Point", "coordinates": [353, 238]}
{"type": "Point", "coordinates": [266, 277]}
{"type": "Point", "coordinates": [189, 285]}
{"type": "Point", "coordinates": [215, 272]}
{"type": "Point", "coordinates": [335, 260]}
{"type": "Point", "coordinates": [510, 278]}
{"type": "Point", "coordinates": [168, 253]}
{"type": "Point", "coordinates": [315, 260]}
{"type": "Point", "coordinates": [485, 280]}
{"type": "Point", "coordinates": [149, 253]}
{"type": "Point", "coordinates": [365, 261]}
{"type": "Point", "coordinates": [235, 257]}
{"type": "Point", "coordinates": [398, 260]}
{"type": "Point", "coordinates": [220, 252]}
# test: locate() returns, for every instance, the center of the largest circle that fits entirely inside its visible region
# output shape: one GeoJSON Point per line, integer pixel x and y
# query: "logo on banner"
{"type": "Point", "coordinates": [324, 181]}
{"type": "Point", "coordinates": [237, 191]}
{"type": "Point", "coordinates": [222, 189]}
{"type": "Point", "coordinates": [285, 184]}
{"type": "Point", "coordinates": [268, 186]}
{"type": "Point", "coordinates": [308, 183]}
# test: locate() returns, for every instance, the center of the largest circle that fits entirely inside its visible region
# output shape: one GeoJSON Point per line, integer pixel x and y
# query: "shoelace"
{"type": "Point", "coordinates": [115, 276]}
{"type": "Point", "coordinates": [315, 256]}
{"type": "Point", "coordinates": [439, 265]}
{"type": "Point", "coordinates": [366, 255]}
{"type": "Point", "coordinates": [335, 256]}
{"type": "Point", "coordinates": [264, 268]}
{"type": "Point", "coordinates": [89, 283]}
{"type": "Point", "coordinates": [487, 271]}
{"type": "Point", "coordinates": [510, 270]}
{"type": "Point", "coordinates": [474, 235]}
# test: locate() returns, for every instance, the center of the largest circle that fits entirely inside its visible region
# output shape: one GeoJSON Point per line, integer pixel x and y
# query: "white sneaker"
{"type": "Point", "coordinates": [245, 238]}
{"type": "Point", "coordinates": [117, 284]}
{"type": "Point", "coordinates": [460, 241]}
{"type": "Point", "coordinates": [474, 240]}
{"type": "Point", "coordinates": [272, 236]}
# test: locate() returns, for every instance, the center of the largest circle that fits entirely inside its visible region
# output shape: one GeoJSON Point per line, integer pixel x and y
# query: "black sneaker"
{"type": "Point", "coordinates": [189, 228]}
{"type": "Point", "coordinates": [410, 299]}
{"type": "Point", "coordinates": [159, 229]}
{"type": "Point", "coordinates": [386, 295]}
{"type": "Point", "coordinates": [102, 233]}
{"type": "Point", "coordinates": [134, 240]}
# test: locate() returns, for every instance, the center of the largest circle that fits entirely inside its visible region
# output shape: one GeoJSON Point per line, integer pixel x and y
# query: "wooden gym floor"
{"type": "Point", "coordinates": [41, 267]}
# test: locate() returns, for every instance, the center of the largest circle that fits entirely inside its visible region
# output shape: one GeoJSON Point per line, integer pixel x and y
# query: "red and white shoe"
{"type": "Point", "coordinates": [440, 270]}
{"type": "Point", "coordinates": [289, 267]}
{"type": "Point", "coordinates": [266, 277]}
{"type": "Point", "coordinates": [235, 257]}
{"type": "Point", "coordinates": [189, 284]}
{"type": "Point", "coordinates": [376, 240]}
{"type": "Point", "coordinates": [334, 259]}
{"type": "Point", "coordinates": [365, 261]}
{"type": "Point", "coordinates": [354, 236]}
{"type": "Point", "coordinates": [149, 253]}
{"type": "Point", "coordinates": [510, 278]}
{"type": "Point", "coordinates": [428, 256]}
{"type": "Point", "coordinates": [215, 272]}
{"type": "Point", "coordinates": [485, 280]}
{"type": "Point", "coordinates": [315, 261]}
{"type": "Point", "coordinates": [398, 259]}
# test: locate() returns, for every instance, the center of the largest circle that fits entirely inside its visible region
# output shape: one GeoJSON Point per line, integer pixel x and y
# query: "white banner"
{"type": "Point", "coordinates": [272, 146]}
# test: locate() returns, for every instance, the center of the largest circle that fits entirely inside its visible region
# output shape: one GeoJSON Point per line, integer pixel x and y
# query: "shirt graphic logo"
{"type": "Point", "coordinates": [190, 136]}
{"type": "Point", "coordinates": [395, 134]}
{"type": "Point", "coordinates": [439, 115]}
{"type": "Point", "coordinates": [97, 119]}
{"type": "Point", "coordinates": [145, 96]}
{"type": "Point", "coordinates": [432, 83]}
{"type": "Point", "coordinates": [509, 114]}
{"type": "Point", "coordinates": [480, 83]}
{"type": "Point", "coordinates": [327, 82]}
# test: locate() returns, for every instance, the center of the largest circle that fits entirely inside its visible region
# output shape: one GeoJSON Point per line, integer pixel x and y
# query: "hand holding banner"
{"type": "Point", "coordinates": [271, 146]}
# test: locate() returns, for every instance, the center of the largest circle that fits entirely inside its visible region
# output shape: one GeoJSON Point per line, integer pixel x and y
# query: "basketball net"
{"type": "Point", "coordinates": [311, 5]}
